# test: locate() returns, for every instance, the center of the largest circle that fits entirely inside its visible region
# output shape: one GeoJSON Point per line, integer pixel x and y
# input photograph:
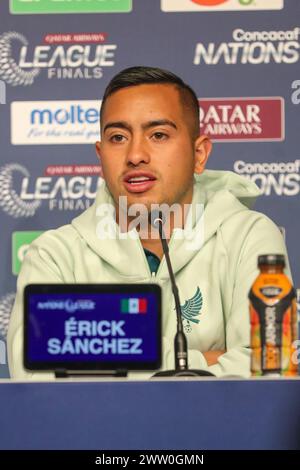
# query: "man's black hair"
{"type": "Point", "coordinates": [134, 76]}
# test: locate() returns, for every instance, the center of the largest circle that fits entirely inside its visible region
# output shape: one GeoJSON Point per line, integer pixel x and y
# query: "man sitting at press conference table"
{"type": "Point", "coordinates": [151, 153]}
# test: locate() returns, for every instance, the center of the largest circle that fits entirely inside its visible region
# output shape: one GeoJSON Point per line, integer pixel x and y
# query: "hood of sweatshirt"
{"type": "Point", "coordinates": [217, 196]}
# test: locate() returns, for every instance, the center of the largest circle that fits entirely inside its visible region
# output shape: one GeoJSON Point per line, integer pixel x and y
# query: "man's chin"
{"type": "Point", "coordinates": [141, 199]}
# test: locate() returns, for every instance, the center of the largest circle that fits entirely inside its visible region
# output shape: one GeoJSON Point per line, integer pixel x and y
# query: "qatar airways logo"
{"type": "Point", "coordinates": [21, 195]}
{"type": "Point", "coordinates": [55, 122]}
{"type": "Point", "coordinates": [242, 119]}
{"type": "Point", "coordinates": [251, 47]}
{"type": "Point", "coordinates": [61, 56]}
{"type": "Point", "coordinates": [220, 5]}
{"type": "Point", "coordinates": [273, 178]}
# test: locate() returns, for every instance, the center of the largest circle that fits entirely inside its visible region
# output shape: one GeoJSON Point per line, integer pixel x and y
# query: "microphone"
{"type": "Point", "coordinates": [157, 219]}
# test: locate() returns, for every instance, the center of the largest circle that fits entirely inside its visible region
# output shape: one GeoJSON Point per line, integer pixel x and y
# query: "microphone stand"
{"type": "Point", "coordinates": [180, 341]}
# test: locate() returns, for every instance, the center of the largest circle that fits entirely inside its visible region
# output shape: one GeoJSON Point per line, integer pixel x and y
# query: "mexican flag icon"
{"type": "Point", "coordinates": [133, 305]}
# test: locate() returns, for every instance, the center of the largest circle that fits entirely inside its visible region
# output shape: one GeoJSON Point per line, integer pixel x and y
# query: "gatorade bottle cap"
{"type": "Point", "coordinates": [271, 260]}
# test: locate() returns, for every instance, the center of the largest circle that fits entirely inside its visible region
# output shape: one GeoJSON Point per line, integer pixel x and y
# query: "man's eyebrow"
{"type": "Point", "coordinates": [159, 122]}
{"type": "Point", "coordinates": [119, 124]}
{"type": "Point", "coordinates": [145, 126]}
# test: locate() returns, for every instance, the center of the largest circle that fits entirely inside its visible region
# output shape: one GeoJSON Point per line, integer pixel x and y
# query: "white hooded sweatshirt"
{"type": "Point", "coordinates": [214, 268]}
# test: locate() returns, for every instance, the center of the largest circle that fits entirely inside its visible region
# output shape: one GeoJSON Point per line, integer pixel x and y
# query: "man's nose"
{"type": "Point", "coordinates": [137, 151]}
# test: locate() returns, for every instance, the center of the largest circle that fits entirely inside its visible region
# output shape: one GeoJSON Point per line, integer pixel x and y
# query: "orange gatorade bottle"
{"type": "Point", "coordinates": [273, 317]}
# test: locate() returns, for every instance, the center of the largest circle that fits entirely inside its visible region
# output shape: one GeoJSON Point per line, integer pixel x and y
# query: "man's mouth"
{"type": "Point", "coordinates": [137, 183]}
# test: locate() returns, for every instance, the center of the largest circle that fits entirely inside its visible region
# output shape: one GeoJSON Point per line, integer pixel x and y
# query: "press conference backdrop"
{"type": "Point", "coordinates": [242, 57]}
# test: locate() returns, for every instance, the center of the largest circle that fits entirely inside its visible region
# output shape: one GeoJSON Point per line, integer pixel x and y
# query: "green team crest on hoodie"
{"type": "Point", "coordinates": [191, 309]}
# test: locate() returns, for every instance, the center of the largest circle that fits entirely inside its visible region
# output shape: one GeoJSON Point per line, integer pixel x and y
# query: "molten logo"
{"type": "Point", "coordinates": [209, 3]}
{"type": "Point", "coordinates": [54, 122]}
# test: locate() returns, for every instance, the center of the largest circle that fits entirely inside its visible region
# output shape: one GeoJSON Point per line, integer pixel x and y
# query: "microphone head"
{"type": "Point", "coordinates": [156, 217]}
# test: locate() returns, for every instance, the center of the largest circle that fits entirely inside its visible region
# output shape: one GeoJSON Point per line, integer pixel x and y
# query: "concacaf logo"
{"type": "Point", "coordinates": [10, 71]}
{"type": "Point", "coordinates": [10, 201]}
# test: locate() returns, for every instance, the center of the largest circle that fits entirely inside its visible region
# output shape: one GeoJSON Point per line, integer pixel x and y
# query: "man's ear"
{"type": "Point", "coordinates": [202, 149]}
{"type": "Point", "coordinates": [98, 152]}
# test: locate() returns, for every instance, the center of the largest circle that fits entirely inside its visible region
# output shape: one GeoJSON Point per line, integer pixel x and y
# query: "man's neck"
{"type": "Point", "coordinates": [154, 246]}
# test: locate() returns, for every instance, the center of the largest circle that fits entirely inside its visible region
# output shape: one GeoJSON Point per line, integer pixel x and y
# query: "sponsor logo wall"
{"type": "Point", "coordinates": [240, 56]}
